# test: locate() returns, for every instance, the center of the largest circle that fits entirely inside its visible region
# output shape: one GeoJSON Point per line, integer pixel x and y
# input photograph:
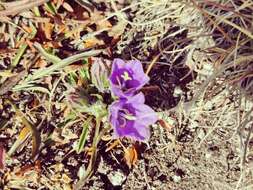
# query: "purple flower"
{"type": "Point", "coordinates": [131, 118]}
{"type": "Point", "coordinates": [127, 77]}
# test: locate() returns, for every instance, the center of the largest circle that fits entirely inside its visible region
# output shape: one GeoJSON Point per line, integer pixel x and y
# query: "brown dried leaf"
{"type": "Point", "coordinates": [130, 156]}
{"type": "Point", "coordinates": [2, 157]}
{"type": "Point", "coordinates": [165, 125]}
{"type": "Point", "coordinates": [12, 81]}
{"type": "Point", "coordinates": [52, 44]}
{"type": "Point", "coordinates": [41, 63]}
{"type": "Point", "coordinates": [48, 29]}
{"type": "Point", "coordinates": [28, 168]}
{"type": "Point", "coordinates": [27, 28]}
{"type": "Point", "coordinates": [91, 42]}
{"type": "Point", "coordinates": [99, 19]}
{"type": "Point", "coordinates": [114, 144]}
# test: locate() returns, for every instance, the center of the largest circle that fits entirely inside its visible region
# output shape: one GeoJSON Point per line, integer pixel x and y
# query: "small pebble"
{"type": "Point", "coordinates": [116, 178]}
{"type": "Point", "coordinates": [176, 178]}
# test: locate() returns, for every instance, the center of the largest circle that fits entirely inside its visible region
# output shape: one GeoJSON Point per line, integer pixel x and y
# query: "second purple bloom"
{"type": "Point", "coordinates": [131, 118]}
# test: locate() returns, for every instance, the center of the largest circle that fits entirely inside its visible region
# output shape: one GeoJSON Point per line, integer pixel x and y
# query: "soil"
{"type": "Point", "coordinates": [201, 143]}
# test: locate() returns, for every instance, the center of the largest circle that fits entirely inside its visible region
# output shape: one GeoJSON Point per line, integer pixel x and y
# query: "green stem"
{"type": "Point", "coordinates": [89, 170]}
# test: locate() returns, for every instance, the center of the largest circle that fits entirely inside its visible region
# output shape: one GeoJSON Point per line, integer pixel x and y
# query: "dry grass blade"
{"type": "Point", "coordinates": [11, 82]}
{"type": "Point", "coordinates": [113, 145]}
{"type": "Point", "coordinates": [32, 32]}
{"type": "Point", "coordinates": [212, 21]}
{"type": "Point", "coordinates": [28, 130]}
{"type": "Point", "coordinates": [17, 7]}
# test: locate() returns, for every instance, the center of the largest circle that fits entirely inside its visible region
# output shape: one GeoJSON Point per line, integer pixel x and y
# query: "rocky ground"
{"type": "Point", "coordinates": [198, 55]}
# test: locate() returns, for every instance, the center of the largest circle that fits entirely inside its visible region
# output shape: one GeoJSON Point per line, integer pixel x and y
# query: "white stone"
{"type": "Point", "coordinates": [176, 178]}
{"type": "Point", "coordinates": [116, 178]}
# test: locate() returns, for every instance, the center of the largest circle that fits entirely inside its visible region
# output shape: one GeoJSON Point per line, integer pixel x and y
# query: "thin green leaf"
{"type": "Point", "coordinates": [83, 136]}
{"type": "Point", "coordinates": [23, 47]}
{"type": "Point", "coordinates": [49, 70]}
{"type": "Point", "coordinates": [51, 58]}
{"type": "Point", "coordinates": [38, 89]}
{"type": "Point", "coordinates": [51, 8]}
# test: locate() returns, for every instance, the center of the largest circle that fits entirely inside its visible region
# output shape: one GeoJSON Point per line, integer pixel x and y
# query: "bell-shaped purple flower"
{"type": "Point", "coordinates": [127, 77]}
{"type": "Point", "coordinates": [131, 118]}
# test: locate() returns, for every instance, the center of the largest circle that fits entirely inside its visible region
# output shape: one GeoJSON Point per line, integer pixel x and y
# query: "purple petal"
{"type": "Point", "coordinates": [145, 114]}
{"type": "Point", "coordinates": [126, 85]}
{"type": "Point", "coordinates": [131, 118]}
{"type": "Point", "coordinates": [137, 67]}
{"type": "Point", "coordinates": [117, 91]}
{"type": "Point", "coordinates": [114, 109]}
{"type": "Point", "coordinates": [133, 131]}
{"type": "Point", "coordinates": [144, 131]}
{"type": "Point", "coordinates": [137, 99]}
{"type": "Point", "coordinates": [118, 64]}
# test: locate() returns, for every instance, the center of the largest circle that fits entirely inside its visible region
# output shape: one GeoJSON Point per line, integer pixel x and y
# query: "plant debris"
{"type": "Point", "coordinates": [57, 125]}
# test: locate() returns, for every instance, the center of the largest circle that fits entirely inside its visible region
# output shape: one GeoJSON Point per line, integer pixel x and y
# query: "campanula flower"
{"type": "Point", "coordinates": [127, 77]}
{"type": "Point", "coordinates": [131, 118]}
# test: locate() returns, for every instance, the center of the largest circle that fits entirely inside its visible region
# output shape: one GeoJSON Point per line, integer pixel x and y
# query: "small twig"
{"type": "Point", "coordinates": [152, 64]}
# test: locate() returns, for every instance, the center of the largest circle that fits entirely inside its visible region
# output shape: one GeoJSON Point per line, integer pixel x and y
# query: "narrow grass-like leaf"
{"type": "Point", "coordinates": [23, 47]}
{"type": "Point", "coordinates": [51, 58]}
{"type": "Point", "coordinates": [63, 63]}
{"type": "Point", "coordinates": [51, 8]}
{"type": "Point", "coordinates": [83, 136]}
{"type": "Point", "coordinates": [28, 130]}
{"type": "Point", "coordinates": [55, 67]}
{"type": "Point", "coordinates": [3, 123]}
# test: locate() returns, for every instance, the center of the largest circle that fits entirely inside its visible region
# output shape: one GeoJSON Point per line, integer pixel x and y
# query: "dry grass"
{"type": "Point", "coordinates": [221, 54]}
{"type": "Point", "coordinates": [212, 122]}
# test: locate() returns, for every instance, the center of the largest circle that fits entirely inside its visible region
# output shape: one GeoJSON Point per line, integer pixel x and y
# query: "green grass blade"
{"type": "Point", "coordinates": [83, 136]}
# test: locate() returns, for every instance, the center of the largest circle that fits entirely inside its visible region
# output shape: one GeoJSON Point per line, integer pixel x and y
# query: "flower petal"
{"type": "Point", "coordinates": [133, 131]}
{"type": "Point", "coordinates": [114, 110]}
{"type": "Point", "coordinates": [136, 99]}
{"type": "Point", "coordinates": [145, 114]}
{"type": "Point", "coordinates": [137, 67]}
{"type": "Point", "coordinates": [131, 118]}
{"type": "Point", "coordinates": [118, 64]}
{"type": "Point", "coordinates": [127, 77]}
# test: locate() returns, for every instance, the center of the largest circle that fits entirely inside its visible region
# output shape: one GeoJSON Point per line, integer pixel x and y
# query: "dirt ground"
{"type": "Point", "coordinates": [198, 55]}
